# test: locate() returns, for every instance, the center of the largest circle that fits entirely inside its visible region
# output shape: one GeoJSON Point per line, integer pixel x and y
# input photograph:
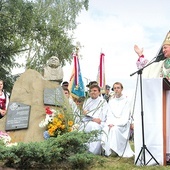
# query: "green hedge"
{"type": "Point", "coordinates": [64, 152]}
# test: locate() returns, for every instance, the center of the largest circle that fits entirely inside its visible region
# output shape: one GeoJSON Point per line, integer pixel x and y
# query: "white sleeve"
{"type": "Point", "coordinates": [141, 62]}
{"type": "Point", "coordinates": [7, 101]}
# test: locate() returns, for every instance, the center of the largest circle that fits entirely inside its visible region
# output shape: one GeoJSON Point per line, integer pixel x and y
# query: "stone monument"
{"type": "Point", "coordinates": [29, 90]}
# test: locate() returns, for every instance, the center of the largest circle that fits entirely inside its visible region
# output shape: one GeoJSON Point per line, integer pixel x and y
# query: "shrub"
{"type": "Point", "coordinates": [67, 151]}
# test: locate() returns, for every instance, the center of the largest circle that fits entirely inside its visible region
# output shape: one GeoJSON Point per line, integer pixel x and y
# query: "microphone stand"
{"type": "Point", "coordinates": [144, 147]}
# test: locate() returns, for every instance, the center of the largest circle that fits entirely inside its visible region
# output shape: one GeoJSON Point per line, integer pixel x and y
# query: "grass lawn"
{"type": "Point", "coordinates": [118, 163]}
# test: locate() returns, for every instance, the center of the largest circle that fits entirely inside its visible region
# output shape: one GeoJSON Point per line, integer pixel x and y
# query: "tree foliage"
{"type": "Point", "coordinates": [37, 30]}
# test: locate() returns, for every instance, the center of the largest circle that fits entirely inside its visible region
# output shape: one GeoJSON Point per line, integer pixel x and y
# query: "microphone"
{"type": "Point", "coordinates": [160, 57]}
{"type": "Point", "coordinates": [160, 54]}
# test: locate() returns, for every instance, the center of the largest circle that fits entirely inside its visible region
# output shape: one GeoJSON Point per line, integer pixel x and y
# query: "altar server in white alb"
{"type": "Point", "coordinates": [116, 131]}
{"type": "Point", "coordinates": [95, 110]}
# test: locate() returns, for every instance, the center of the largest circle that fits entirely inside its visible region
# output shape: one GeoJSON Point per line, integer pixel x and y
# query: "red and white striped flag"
{"type": "Point", "coordinates": [101, 73]}
{"type": "Point", "coordinates": [75, 57]}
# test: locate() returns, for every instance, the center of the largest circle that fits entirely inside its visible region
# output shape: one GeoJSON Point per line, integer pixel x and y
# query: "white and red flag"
{"type": "Point", "coordinates": [101, 73]}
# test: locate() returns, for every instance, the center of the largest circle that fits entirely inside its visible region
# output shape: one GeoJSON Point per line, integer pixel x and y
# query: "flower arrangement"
{"type": "Point", "coordinates": [57, 122]}
{"type": "Point", "coordinates": [6, 139]}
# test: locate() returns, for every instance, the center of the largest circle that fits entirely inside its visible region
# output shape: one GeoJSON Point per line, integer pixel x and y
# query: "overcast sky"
{"type": "Point", "coordinates": [113, 27]}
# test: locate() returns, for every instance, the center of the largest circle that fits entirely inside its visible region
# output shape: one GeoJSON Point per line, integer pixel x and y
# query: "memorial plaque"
{"type": "Point", "coordinates": [17, 116]}
{"type": "Point", "coordinates": [54, 97]}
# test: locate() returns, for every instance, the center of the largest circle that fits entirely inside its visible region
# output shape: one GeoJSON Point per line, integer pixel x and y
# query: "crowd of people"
{"type": "Point", "coordinates": [109, 115]}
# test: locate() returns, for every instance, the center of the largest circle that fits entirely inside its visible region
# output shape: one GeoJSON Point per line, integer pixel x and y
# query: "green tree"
{"type": "Point", "coordinates": [38, 30]}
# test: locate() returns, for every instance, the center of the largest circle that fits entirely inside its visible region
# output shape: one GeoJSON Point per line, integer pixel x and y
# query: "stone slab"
{"type": "Point", "coordinates": [17, 116]}
{"type": "Point", "coordinates": [53, 96]}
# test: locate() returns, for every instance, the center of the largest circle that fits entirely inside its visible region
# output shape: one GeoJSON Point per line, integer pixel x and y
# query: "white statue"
{"type": "Point", "coordinates": [53, 71]}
